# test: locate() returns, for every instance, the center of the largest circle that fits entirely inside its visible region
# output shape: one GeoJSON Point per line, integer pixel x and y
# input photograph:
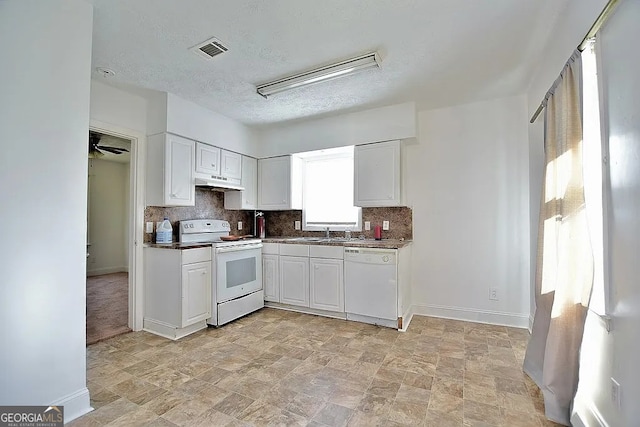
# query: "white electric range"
{"type": "Point", "coordinates": [236, 288]}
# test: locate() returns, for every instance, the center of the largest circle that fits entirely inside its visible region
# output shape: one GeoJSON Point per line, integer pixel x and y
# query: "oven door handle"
{"type": "Point", "coordinates": [238, 248]}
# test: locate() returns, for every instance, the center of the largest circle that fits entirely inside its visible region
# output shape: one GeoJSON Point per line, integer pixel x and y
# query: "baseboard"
{"type": "Point", "coordinates": [406, 319]}
{"type": "Point", "coordinates": [306, 310]}
{"type": "Point", "coordinates": [472, 315]}
{"type": "Point", "coordinates": [591, 418]}
{"type": "Point", "coordinates": [107, 270]}
{"type": "Point", "coordinates": [75, 404]}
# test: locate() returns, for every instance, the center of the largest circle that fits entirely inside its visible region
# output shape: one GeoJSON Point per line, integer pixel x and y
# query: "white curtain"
{"type": "Point", "coordinates": [564, 274]}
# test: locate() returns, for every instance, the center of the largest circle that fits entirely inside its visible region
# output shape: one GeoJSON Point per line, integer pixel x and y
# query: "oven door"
{"type": "Point", "coordinates": [238, 271]}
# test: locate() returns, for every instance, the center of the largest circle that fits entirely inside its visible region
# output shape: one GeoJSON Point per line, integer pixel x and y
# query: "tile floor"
{"type": "Point", "coordinates": [281, 368]}
{"type": "Point", "coordinates": [107, 306]}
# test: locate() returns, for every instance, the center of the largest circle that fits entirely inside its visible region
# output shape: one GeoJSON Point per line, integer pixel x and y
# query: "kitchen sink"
{"type": "Point", "coordinates": [307, 239]}
{"type": "Point", "coordinates": [319, 239]}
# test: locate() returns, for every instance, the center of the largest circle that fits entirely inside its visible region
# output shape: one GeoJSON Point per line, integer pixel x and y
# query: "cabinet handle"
{"type": "Point", "coordinates": [317, 267]}
{"type": "Point", "coordinates": [389, 197]}
{"type": "Point", "coordinates": [203, 273]}
{"type": "Point", "coordinates": [173, 194]}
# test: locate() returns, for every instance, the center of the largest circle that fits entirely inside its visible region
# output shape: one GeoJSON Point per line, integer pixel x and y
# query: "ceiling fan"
{"type": "Point", "coordinates": [96, 150]}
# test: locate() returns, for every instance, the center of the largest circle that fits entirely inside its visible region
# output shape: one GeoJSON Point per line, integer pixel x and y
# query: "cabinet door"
{"type": "Point", "coordinates": [207, 159]}
{"type": "Point", "coordinates": [377, 174]}
{"type": "Point", "coordinates": [274, 183]}
{"type": "Point", "coordinates": [250, 183]}
{"type": "Point", "coordinates": [196, 292]}
{"type": "Point", "coordinates": [326, 284]}
{"type": "Point", "coordinates": [294, 280]}
{"type": "Point", "coordinates": [179, 181]}
{"type": "Point", "coordinates": [247, 198]}
{"type": "Point", "coordinates": [270, 278]}
{"type": "Point", "coordinates": [231, 165]}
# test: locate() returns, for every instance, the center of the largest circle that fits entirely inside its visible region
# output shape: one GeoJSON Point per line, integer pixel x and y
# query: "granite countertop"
{"type": "Point", "coordinates": [360, 243]}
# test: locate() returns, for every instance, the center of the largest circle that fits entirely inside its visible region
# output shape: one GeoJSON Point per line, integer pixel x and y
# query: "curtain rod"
{"type": "Point", "coordinates": [602, 18]}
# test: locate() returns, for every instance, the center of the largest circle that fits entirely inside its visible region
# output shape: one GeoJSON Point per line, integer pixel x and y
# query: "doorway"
{"type": "Point", "coordinates": [115, 215]}
{"type": "Point", "coordinates": [107, 237]}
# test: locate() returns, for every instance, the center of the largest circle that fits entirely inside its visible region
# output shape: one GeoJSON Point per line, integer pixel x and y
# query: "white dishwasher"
{"type": "Point", "coordinates": [371, 286]}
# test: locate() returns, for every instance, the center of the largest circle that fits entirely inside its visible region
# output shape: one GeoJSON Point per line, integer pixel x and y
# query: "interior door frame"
{"type": "Point", "coordinates": [137, 175]}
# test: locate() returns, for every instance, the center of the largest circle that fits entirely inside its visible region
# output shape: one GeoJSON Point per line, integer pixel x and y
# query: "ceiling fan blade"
{"type": "Point", "coordinates": [95, 153]}
{"type": "Point", "coordinates": [114, 150]}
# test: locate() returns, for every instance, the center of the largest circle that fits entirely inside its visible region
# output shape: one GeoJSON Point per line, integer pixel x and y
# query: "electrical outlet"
{"type": "Point", "coordinates": [297, 225]}
{"type": "Point", "coordinates": [615, 394]}
{"type": "Point", "coordinates": [149, 227]}
{"type": "Point", "coordinates": [367, 226]}
{"type": "Point", "coordinates": [385, 225]}
{"type": "Point", "coordinates": [239, 225]}
{"type": "Point", "coordinates": [493, 294]}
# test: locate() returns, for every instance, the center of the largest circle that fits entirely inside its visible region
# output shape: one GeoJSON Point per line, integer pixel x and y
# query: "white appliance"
{"type": "Point", "coordinates": [370, 285]}
{"type": "Point", "coordinates": [236, 288]}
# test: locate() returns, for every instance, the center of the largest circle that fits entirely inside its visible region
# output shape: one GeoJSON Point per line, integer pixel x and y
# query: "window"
{"type": "Point", "coordinates": [327, 184]}
{"type": "Point", "coordinates": [593, 175]}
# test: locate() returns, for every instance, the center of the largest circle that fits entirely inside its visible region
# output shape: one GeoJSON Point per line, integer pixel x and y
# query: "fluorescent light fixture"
{"type": "Point", "coordinates": [328, 72]}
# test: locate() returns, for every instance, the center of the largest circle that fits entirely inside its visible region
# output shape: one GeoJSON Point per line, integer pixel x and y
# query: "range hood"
{"type": "Point", "coordinates": [221, 183]}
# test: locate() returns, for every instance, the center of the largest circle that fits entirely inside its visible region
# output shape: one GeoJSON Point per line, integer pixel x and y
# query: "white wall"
{"type": "Point", "coordinates": [108, 217]}
{"type": "Point", "coordinates": [44, 120]}
{"type": "Point", "coordinates": [193, 121]}
{"type": "Point", "coordinates": [467, 181]}
{"type": "Point", "coordinates": [378, 124]}
{"type": "Point", "coordinates": [614, 355]}
{"type": "Point", "coordinates": [117, 106]}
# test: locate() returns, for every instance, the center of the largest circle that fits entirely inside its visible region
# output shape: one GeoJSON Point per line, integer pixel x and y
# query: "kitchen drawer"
{"type": "Point", "coordinates": [294, 250]}
{"type": "Point", "coordinates": [270, 248]}
{"type": "Point", "coordinates": [320, 251]}
{"type": "Point", "coordinates": [189, 256]}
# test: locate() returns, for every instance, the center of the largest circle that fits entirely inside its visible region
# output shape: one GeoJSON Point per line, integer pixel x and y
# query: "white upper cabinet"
{"type": "Point", "coordinates": [279, 183]}
{"type": "Point", "coordinates": [247, 198]}
{"type": "Point", "coordinates": [377, 174]}
{"type": "Point", "coordinates": [231, 165]}
{"type": "Point", "coordinates": [170, 171]}
{"type": "Point", "coordinates": [213, 163]}
{"type": "Point", "coordinates": [207, 159]}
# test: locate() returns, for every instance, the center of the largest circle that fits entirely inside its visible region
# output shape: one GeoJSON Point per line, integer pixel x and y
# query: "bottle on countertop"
{"type": "Point", "coordinates": [377, 232]}
{"type": "Point", "coordinates": [164, 231]}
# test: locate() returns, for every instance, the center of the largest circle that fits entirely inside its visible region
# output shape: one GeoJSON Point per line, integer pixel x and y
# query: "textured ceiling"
{"type": "Point", "coordinates": [434, 52]}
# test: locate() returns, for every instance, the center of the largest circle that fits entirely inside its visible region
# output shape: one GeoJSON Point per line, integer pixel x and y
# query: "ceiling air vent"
{"type": "Point", "coordinates": [209, 49]}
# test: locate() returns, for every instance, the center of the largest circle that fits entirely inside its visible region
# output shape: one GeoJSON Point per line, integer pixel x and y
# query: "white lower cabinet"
{"type": "Point", "coordinates": [304, 275]}
{"type": "Point", "coordinates": [270, 278]}
{"type": "Point", "coordinates": [326, 284]}
{"type": "Point", "coordinates": [196, 288]}
{"type": "Point", "coordinates": [177, 290]}
{"type": "Point", "coordinates": [294, 280]}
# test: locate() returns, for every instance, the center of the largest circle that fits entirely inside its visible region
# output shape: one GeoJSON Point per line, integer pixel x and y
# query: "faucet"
{"type": "Point", "coordinates": [326, 233]}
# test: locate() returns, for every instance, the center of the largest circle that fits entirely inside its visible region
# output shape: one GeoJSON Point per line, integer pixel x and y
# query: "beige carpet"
{"type": "Point", "coordinates": [107, 306]}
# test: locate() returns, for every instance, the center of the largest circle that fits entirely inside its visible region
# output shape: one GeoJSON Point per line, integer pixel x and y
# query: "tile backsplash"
{"type": "Point", "coordinates": [209, 204]}
{"type": "Point", "coordinates": [282, 223]}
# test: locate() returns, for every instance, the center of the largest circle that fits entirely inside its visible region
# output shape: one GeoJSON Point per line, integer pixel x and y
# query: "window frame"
{"type": "Point", "coordinates": [329, 154]}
